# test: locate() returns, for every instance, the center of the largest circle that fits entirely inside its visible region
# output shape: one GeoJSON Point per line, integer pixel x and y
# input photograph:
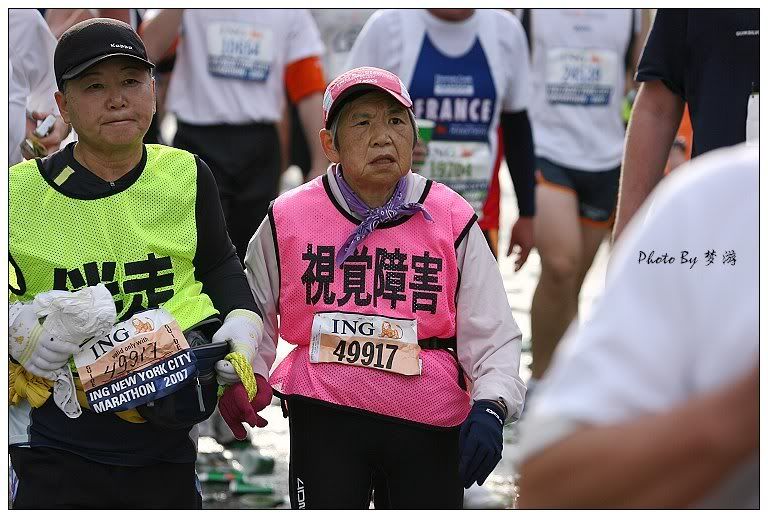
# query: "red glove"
{"type": "Point", "coordinates": [263, 396]}
{"type": "Point", "coordinates": [235, 408]}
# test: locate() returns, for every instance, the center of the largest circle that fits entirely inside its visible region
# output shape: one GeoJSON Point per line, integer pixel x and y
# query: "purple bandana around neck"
{"type": "Point", "coordinates": [372, 218]}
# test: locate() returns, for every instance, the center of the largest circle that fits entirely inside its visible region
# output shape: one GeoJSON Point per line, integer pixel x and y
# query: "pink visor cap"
{"type": "Point", "coordinates": [361, 79]}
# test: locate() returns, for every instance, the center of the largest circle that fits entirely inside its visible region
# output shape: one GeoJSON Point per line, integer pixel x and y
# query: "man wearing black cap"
{"type": "Point", "coordinates": [147, 223]}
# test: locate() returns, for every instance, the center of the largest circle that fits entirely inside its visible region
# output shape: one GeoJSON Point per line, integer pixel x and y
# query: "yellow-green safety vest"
{"type": "Point", "coordinates": [140, 242]}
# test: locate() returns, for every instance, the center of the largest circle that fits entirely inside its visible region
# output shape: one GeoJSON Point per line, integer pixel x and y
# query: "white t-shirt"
{"type": "Point", "coordinates": [338, 29]}
{"type": "Point", "coordinates": [16, 121]}
{"type": "Point", "coordinates": [460, 75]}
{"type": "Point", "coordinates": [31, 78]}
{"type": "Point", "coordinates": [579, 71]}
{"type": "Point", "coordinates": [230, 63]}
{"type": "Point", "coordinates": [662, 333]}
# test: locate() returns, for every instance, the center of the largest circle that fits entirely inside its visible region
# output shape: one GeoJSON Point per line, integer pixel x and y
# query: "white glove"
{"type": "Point", "coordinates": [32, 344]}
{"type": "Point", "coordinates": [243, 329]}
{"type": "Point", "coordinates": [70, 319]}
{"type": "Point", "coordinates": [65, 393]}
{"type": "Point", "coordinates": [77, 316]}
{"type": "Point", "coordinates": [24, 323]}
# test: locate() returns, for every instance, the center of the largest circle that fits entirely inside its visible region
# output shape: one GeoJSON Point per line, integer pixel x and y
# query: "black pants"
{"type": "Point", "coordinates": [597, 192]}
{"type": "Point", "coordinates": [56, 479]}
{"type": "Point", "coordinates": [245, 161]}
{"type": "Point", "coordinates": [299, 152]}
{"type": "Point", "coordinates": [335, 454]}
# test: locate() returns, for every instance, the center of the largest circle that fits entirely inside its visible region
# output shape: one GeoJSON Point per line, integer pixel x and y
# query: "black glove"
{"type": "Point", "coordinates": [480, 442]}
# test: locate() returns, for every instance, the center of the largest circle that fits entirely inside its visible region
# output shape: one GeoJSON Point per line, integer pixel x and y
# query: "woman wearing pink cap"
{"type": "Point", "coordinates": [407, 353]}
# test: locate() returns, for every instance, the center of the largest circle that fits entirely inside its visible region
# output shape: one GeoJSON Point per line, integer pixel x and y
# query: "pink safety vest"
{"type": "Point", "coordinates": [410, 272]}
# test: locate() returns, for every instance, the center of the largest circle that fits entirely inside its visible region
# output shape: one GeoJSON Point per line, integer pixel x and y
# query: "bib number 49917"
{"type": "Point", "coordinates": [366, 354]}
{"type": "Point", "coordinates": [370, 341]}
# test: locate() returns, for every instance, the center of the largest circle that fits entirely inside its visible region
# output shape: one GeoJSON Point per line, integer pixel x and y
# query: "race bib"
{"type": "Point", "coordinates": [239, 51]}
{"type": "Point", "coordinates": [753, 119]}
{"type": "Point", "coordinates": [465, 167]}
{"type": "Point", "coordinates": [374, 342]}
{"type": "Point", "coordinates": [581, 76]}
{"type": "Point", "coordinates": [140, 360]}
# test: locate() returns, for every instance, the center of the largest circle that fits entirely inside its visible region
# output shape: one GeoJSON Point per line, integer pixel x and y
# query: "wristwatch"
{"type": "Point", "coordinates": [499, 402]}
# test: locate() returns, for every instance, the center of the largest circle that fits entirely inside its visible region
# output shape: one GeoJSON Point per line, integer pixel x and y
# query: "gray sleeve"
{"type": "Point", "coordinates": [487, 335]}
{"type": "Point", "coordinates": [263, 273]}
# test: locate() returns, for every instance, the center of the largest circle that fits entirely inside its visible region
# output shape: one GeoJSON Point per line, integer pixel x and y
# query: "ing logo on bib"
{"type": "Point", "coordinates": [387, 331]}
{"type": "Point", "coordinates": [369, 341]}
{"type": "Point", "coordinates": [142, 326]}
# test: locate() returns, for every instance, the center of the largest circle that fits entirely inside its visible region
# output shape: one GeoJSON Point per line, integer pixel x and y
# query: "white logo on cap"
{"type": "Point", "coordinates": [120, 46]}
{"type": "Point", "coordinates": [327, 99]}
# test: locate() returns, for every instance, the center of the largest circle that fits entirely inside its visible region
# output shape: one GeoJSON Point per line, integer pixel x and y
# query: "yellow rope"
{"type": "Point", "coordinates": [244, 371]}
{"type": "Point", "coordinates": [23, 385]}
{"type": "Point", "coordinates": [37, 390]}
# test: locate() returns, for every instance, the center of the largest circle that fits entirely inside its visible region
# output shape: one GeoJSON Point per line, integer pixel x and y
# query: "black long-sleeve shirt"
{"type": "Point", "coordinates": [517, 139]}
{"type": "Point", "coordinates": [711, 59]}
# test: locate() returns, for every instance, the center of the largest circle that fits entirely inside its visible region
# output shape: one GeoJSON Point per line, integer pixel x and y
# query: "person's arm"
{"type": "Point", "coordinates": [655, 118]}
{"type": "Point", "coordinates": [486, 332]}
{"type": "Point", "coordinates": [518, 151]}
{"type": "Point", "coordinates": [311, 115]}
{"type": "Point", "coordinates": [52, 141]}
{"type": "Point", "coordinates": [305, 84]}
{"type": "Point", "coordinates": [607, 374]}
{"type": "Point", "coordinates": [516, 129]}
{"type": "Point", "coordinates": [284, 135]}
{"type": "Point", "coordinates": [671, 459]}
{"type": "Point", "coordinates": [656, 113]}
{"type": "Point", "coordinates": [160, 32]}
{"type": "Point", "coordinates": [33, 54]}
{"type": "Point", "coordinates": [17, 117]}
{"type": "Point", "coordinates": [643, 26]}
{"type": "Point", "coordinates": [263, 273]}
{"type": "Point", "coordinates": [59, 20]}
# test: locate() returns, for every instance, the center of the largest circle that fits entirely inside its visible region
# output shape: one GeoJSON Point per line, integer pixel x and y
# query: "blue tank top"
{"type": "Point", "coordinates": [457, 94]}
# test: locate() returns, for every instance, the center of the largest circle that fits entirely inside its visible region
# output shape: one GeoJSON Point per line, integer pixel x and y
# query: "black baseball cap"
{"type": "Point", "coordinates": [92, 41]}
